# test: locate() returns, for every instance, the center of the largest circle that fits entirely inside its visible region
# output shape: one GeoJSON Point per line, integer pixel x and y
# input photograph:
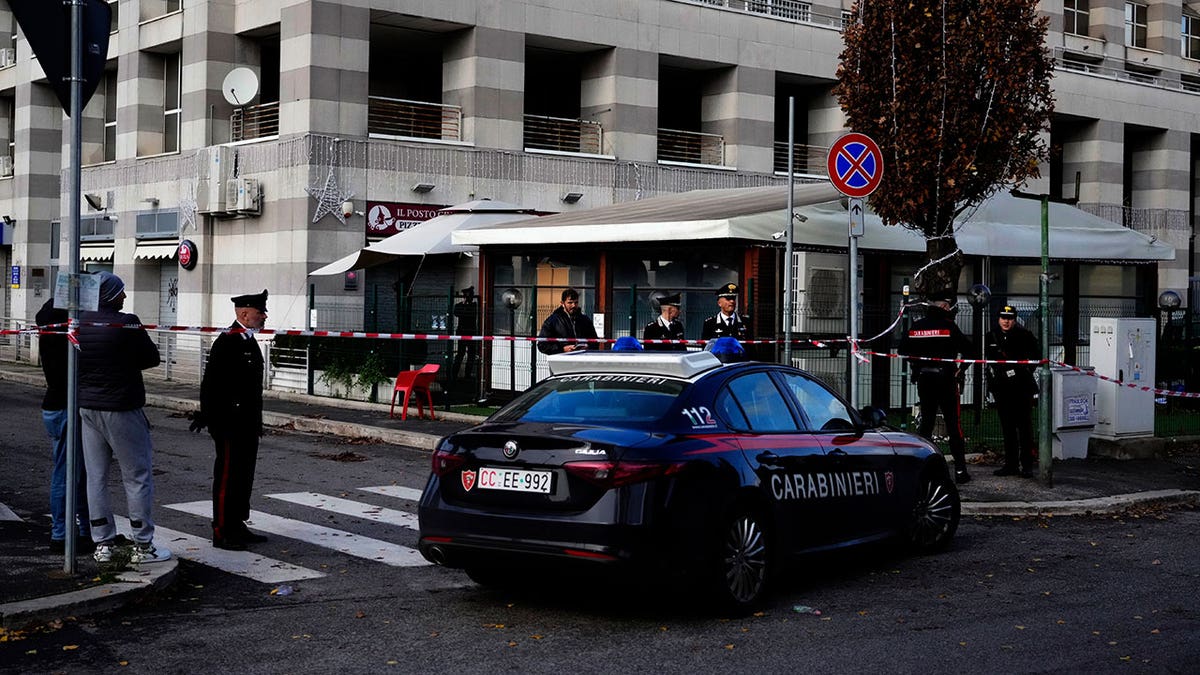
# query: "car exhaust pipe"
{"type": "Point", "coordinates": [437, 555]}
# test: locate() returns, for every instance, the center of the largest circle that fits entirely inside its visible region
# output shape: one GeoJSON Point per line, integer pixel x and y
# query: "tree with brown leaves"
{"type": "Point", "coordinates": [955, 92]}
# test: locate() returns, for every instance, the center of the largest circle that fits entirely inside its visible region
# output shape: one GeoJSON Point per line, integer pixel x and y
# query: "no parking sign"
{"type": "Point", "coordinates": [855, 165]}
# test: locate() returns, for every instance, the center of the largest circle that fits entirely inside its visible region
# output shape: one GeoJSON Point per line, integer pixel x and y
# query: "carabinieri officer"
{"type": "Point", "coordinates": [727, 322]}
{"type": "Point", "coordinates": [231, 407]}
{"type": "Point", "coordinates": [666, 327]}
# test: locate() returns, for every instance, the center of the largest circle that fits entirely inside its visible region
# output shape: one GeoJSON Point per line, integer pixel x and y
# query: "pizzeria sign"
{"type": "Point", "coordinates": [387, 218]}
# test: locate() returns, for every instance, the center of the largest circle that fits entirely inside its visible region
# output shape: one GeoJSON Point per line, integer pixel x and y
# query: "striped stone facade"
{"type": "Point", "coordinates": [1126, 123]}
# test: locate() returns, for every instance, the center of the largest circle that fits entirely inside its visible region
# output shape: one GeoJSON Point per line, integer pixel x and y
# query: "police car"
{"type": "Point", "coordinates": [678, 464]}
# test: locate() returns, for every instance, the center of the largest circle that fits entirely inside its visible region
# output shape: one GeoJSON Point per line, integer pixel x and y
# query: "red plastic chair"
{"type": "Point", "coordinates": [415, 381]}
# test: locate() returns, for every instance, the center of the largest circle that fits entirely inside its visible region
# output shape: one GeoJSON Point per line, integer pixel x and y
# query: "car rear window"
{"type": "Point", "coordinates": [595, 399]}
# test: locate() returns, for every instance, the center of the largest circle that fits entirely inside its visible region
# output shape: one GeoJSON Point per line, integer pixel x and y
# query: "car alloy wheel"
{"type": "Point", "coordinates": [745, 560]}
{"type": "Point", "coordinates": [935, 514]}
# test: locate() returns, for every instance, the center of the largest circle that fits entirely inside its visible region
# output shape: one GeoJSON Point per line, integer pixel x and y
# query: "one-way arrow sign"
{"type": "Point", "coordinates": [858, 218]}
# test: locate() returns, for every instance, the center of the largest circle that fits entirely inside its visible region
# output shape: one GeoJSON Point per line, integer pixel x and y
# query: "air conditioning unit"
{"type": "Point", "coordinates": [242, 195]}
{"type": "Point", "coordinates": [211, 193]}
{"type": "Point", "coordinates": [6, 166]}
{"type": "Point", "coordinates": [8, 57]}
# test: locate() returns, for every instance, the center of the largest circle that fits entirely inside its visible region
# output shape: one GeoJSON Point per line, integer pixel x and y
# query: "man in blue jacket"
{"type": "Point", "coordinates": [113, 352]}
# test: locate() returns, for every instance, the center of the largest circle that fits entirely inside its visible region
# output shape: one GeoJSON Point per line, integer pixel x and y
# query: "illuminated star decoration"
{"type": "Point", "coordinates": [329, 198]}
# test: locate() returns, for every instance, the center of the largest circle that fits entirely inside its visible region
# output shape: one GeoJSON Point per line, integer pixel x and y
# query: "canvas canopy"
{"type": "Point", "coordinates": [1003, 226]}
{"type": "Point", "coordinates": [431, 237]}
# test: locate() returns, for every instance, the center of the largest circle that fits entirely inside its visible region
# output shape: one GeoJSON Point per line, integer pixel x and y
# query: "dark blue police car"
{"type": "Point", "coordinates": [677, 462]}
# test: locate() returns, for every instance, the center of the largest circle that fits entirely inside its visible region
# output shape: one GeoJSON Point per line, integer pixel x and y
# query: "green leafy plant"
{"type": "Point", "coordinates": [340, 373]}
{"type": "Point", "coordinates": [373, 371]}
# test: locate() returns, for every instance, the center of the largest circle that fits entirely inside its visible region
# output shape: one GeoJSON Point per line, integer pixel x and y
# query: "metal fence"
{"type": "Point", "coordinates": [471, 372]}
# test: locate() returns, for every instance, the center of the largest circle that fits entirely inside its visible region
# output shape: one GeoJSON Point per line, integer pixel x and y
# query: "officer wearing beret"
{"type": "Point", "coordinates": [666, 327]}
{"type": "Point", "coordinates": [1012, 386]}
{"type": "Point", "coordinates": [936, 336]}
{"type": "Point", "coordinates": [727, 322]}
{"type": "Point", "coordinates": [231, 408]}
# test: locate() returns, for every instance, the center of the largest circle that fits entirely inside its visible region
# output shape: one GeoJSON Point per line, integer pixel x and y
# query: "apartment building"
{"type": "Point", "coordinates": [402, 106]}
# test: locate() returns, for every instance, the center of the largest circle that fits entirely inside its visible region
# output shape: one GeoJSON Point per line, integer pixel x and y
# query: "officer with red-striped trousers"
{"type": "Point", "coordinates": [231, 408]}
{"type": "Point", "coordinates": [936, 336]}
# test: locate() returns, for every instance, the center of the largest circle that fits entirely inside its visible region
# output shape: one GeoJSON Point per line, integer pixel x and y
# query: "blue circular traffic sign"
{"type": "Point", "coordinates": [855, 165]}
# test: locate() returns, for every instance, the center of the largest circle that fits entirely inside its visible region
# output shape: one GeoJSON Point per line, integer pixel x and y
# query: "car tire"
{"type": "Point", "coordinates": [935, 513]}
{"type": "Point", "coordinates": [743, 561]}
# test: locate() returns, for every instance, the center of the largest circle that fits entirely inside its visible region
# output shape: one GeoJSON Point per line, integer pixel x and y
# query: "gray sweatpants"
{"type": "Point", "coordinates": [123, 434]}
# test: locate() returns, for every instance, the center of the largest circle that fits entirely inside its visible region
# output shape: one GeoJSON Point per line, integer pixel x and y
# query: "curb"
{"type": "Point", "coordinates": [131, 585]}
{"type": "Point", "coordinates": [1083, 507]}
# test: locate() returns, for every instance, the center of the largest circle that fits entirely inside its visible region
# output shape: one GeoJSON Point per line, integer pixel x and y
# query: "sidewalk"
{"type": "Point", "coordinates": [34, 588]}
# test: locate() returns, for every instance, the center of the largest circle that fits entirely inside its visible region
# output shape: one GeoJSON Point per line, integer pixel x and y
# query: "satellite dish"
{"type": "Point", "coordinates": [240, 86]}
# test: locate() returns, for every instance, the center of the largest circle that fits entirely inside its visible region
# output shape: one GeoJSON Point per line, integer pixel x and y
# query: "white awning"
{"type": "Point", "coordinates": [150, 251]}
{"type": "Point", "coordinates": [1004, 225]}
{"type": "Point", "coordinates": [96, 252]}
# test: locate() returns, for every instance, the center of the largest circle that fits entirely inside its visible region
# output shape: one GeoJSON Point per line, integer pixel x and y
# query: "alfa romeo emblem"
{"type": "Point", "coordinates": [511, 449]}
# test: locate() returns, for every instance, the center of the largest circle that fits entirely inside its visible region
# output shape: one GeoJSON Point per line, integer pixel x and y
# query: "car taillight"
{"type": "Point", "coordinates": [615, 474]}
{"type": "Point", "coordinates": [445, 461]}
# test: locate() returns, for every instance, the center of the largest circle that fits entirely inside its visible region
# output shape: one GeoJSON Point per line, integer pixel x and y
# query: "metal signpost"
{"type": "Point", "coordinates": [855, 166]}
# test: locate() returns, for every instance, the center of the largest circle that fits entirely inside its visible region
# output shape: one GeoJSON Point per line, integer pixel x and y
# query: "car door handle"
{"type": "Point", "coordinates": [769, 459]}
{"type": "Point", "coordinates": [838, 452]}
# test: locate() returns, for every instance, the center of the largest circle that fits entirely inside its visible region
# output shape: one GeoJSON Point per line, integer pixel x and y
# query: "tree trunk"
{"type": "Point", "coordinates": [941, 271]}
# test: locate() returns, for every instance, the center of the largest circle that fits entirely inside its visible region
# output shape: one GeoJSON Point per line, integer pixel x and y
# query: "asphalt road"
{"type": "Point", "coordinates": [1091, 595]}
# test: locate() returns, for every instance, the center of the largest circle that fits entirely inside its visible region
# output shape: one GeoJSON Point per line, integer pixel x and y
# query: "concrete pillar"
{"type": "Point", "coordinates": [37, 183]}
{"type": "Point", "coordinates": [210, 51]}
{"type": "Point", "coordinates": [323, 52]}
{"type": "Point", "coordinates": [484, 72]}
{"type": "Point", "coordinates": [620, 91]}
{"type": "Point", "coordinates": [1160, 170]}
{"type": "Point", "coordinates": [1094, 149]}
{"type": "Point", "coordinates": [739, 104]}
{"type": "Point", "coordinates": [825, 119]}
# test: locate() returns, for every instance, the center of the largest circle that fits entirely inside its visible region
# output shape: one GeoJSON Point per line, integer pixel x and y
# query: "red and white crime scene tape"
{"type": "Point", "coordinates": [862, 355]}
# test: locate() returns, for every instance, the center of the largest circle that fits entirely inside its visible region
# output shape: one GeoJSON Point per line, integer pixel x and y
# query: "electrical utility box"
{"type": "Point", "coordinates": [1073, 411]}
{"type": "Point", "coordinates": [1124, 349]}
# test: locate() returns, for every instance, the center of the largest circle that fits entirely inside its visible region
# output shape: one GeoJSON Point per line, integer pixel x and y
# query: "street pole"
{"type": "Point", "coordinates": [1045, 458]}
{"type": "Point", "coordinates": [853, 319]}
{"type": "Point", "coordinates": [787, 230]}
{"type": "Point", "coordinates": [75, 175]}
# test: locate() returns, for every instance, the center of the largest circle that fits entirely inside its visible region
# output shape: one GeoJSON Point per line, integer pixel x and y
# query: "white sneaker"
{"type": "Point", "coordinates": [148, 553]}
{"type": "Point", "coordinates": [104, 552]}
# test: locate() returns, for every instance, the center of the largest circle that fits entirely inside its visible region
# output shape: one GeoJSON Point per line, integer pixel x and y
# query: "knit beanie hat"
{"type": "Point", "coordinates": [110, 287]}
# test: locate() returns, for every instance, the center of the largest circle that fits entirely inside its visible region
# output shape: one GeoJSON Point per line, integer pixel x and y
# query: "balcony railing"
{"type": "Point", "coordinates": [563, 134]}
{"type": "Point", "coordinates": [1165, 79]}
{"type": "Point", "coordinates": [413, 119]}
{"type": "Point", "coordinates": [806, 159]}
{"type": "Point", "coordinates": [254, 121]}
{"type": "Point", "coordinates": [794, 10]}
{"type": "Point", "coordinates": [691, 147]}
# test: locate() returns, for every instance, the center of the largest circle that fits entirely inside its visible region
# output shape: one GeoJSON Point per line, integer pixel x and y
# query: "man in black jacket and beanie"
{"type": "Point", "coordinates": [936, 336]}
{"type": "Point", "coordinates": [566, 322]}
{"type": "Point", "coordinates": [1012, 386]}
{"type": "Point", "coordinates": [231, 408]}
{"type": "Point", "coordinates": [113, 351]}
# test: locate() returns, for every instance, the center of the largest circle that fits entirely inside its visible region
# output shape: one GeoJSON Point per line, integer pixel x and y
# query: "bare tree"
{"type": "Point", "coordinates": [955, 92]}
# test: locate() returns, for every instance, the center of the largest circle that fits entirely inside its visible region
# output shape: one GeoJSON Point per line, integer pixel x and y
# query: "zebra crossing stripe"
{"type": "Point", "coordinates": [349, 507]}
{"type": "Point", "coordinates": [338, 540]}
{"type": "Point", "coordinates": [395, 491]}
{"type": "Point", "coordinates": [242, 563]}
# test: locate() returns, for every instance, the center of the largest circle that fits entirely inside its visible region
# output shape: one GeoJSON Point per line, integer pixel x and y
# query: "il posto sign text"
{"type": "Point", "coordinates": [387, 218]}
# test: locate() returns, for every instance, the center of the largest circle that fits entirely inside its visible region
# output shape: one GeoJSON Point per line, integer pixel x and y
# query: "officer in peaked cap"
{"type": "Point", "coordinates": [1012, 387]}
{"type": "Point", "coordinates": [254, 300]}
{"type": "Point", "coordinates": [727, 322]}
{"type": "Point", "coordinates": [666, 327]}
{"type": "Point", "coordinates": [231, 408]}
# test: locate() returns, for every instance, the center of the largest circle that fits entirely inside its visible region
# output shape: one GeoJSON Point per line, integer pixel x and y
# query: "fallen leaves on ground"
{"type": "Point", "coordinates": [344, 456]}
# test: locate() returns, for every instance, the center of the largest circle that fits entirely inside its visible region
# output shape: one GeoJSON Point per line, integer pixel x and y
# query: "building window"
{"type": "Point", "coordinates": [110, 116]}
{"type": "Point", "coordinates": [1135, 24]}
{"type": "Point", "coordinates": [171, 102]}
{"type": "Point", "coordinates": [112, 26]}
{"type": "Point", "coordinates": [1191, 36]}
{"type": "Point", "coordinates": [1075, 17]}
{"type": "Point", "coordinates": [158, 224]}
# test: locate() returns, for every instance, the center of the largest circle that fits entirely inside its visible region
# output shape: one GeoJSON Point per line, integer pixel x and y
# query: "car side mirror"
{"type": "Point", "coordinates": [872, 417]}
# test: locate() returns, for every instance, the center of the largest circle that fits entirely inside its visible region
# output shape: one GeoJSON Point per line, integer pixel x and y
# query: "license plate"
{"type": "Point", "coordinates": [515, 480]}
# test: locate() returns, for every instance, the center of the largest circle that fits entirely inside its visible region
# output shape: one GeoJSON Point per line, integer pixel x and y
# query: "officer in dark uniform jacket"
{"type": "Point", "coordinates": [1013, 387]}
{"type": "Point", "coordinates": [666, 327]}
{"type": "Point", "coordinates": [231, 407]}
{"type": "Point", "coordinates": [937, 336]}
{"type": "Point", "coordinates": [727, 322]}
